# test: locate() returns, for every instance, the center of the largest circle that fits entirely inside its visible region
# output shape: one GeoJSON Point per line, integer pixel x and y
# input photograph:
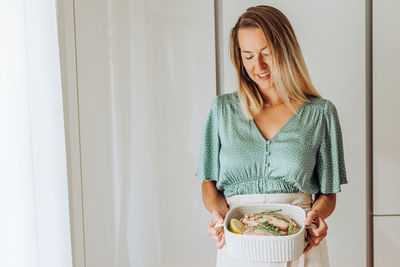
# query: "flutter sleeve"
{"type": "Point", "coordinates": [208, 163]}
{"type": "Point", "coordinates": [330, 164]}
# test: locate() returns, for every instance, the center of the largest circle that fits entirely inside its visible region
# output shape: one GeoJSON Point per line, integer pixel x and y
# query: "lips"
{"type": "Point", "coordinates": [264, 75]}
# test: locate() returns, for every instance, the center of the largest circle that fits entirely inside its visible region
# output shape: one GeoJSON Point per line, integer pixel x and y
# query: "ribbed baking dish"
{"type": "Point", "coordinates": [265, 248]}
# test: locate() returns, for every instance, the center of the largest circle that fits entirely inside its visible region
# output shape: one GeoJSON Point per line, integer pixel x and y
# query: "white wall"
{"type": "Point", "coordinates": [145, 75]}
{"type": "Point", "coordinates": [386, 156]}
{"type": "Point", "coordinates": [137, 96]}
{"type": "Point", "coordinates": [386, 94]}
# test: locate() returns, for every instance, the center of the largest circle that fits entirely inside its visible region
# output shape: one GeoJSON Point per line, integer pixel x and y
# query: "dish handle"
{"type": "Point", "coordinates": [219, 225]}
{"type": "Point", "coordinates": [312, 226]}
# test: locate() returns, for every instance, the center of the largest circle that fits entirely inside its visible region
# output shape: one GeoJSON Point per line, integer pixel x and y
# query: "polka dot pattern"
{"type": "Point", "coordinates": [306, 155]}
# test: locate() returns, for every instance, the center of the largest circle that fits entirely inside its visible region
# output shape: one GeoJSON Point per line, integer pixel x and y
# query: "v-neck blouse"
{"type": "Point", "coordinates": [306, 155]}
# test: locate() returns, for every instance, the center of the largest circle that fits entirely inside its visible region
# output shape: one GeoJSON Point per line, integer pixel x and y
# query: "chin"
{"type": "Point", "coordinates": [265, 87]}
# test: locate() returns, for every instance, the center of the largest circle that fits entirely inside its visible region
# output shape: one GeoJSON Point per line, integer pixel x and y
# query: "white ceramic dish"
{"type": "Point", "coordinates": [266, 248]}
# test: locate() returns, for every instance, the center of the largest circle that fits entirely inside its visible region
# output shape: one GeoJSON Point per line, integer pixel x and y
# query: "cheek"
{"type": "Point", "coordinates": [247, 67]}
{"type": "Point", "coordinates": [269, 63]}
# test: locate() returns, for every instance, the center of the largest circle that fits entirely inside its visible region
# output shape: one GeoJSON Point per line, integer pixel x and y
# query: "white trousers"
{"type": "Point", "coordinates": [316, 257]}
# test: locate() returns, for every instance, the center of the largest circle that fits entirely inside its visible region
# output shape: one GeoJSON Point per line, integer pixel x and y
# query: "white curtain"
{"type": "Point", "coordinates": [34, 216]}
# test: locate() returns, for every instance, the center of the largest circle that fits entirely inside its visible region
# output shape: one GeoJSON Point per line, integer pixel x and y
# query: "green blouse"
{"type": "Point", "coordinates": [306, 155]}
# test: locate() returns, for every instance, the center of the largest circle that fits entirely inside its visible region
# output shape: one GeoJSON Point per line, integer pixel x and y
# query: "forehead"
{"type": "Point", "coordinates": [251, 39]}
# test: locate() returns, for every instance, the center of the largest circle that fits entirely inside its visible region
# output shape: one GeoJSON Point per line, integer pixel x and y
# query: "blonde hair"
{"type": "Point", "coordinates": [289, 74]}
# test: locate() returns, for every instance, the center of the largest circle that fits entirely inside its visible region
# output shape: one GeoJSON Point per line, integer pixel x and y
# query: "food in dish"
{"type": "Point", "coordinates": [236, 226]}
{"type": "Point", "coordinates": [267, 223]}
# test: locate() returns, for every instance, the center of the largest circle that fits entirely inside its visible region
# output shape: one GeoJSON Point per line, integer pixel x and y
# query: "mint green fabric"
{"type": "Point", "coordinates": [306, 155]}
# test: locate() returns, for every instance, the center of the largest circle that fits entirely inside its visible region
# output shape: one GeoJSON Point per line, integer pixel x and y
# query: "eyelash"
{"type": "Point", "coordinates": [252, 56]}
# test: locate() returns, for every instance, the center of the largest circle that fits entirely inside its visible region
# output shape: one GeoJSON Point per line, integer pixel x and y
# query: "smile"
{"type": "Point", "coordinates": [264, 74]}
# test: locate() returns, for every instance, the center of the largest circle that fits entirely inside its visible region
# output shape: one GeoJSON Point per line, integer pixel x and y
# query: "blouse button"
{"type": "Point", "coordinates": [268, 165]}
{"type": "Point", "coordinates": [269, 153]}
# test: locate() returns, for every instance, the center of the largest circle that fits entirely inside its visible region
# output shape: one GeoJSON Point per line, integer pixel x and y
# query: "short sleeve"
{"type": "Point", "coordinates": [208, 164]}
{"type": "Point", "coordinates": [330, 164]}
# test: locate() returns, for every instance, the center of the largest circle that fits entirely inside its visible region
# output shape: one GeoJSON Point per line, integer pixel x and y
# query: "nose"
{"type": "Point", "coordinates": [261, 64]}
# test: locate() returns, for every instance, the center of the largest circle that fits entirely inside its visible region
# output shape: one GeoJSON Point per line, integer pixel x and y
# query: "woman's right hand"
{"type": "Point", "coordinates": [217, 233]}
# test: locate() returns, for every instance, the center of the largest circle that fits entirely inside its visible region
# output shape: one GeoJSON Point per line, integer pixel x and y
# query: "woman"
{"type": "Point", "coordinates": [274, 140]}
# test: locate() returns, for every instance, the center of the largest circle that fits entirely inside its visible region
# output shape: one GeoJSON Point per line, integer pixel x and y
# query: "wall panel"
{"type": "Point", "coordinates": [146, 76]}
{"type": "Point", "coordinates": [386, 241]}
{"type": "Point", "coordinates": [386, 80]}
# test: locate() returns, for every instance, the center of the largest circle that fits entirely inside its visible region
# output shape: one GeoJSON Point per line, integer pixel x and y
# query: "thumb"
{"type": "Point", "coordinates": [309, 218]}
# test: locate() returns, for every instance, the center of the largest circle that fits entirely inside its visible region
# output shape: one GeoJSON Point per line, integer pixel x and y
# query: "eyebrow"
{"type": "Point", "coordinates": [253, 52]}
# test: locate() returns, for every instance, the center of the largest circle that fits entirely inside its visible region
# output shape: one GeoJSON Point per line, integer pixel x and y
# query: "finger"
{"type": "Point", "coordinates": [211, 231]}
{"type": "Point", "coordinates": [219, 230]}
{"type": "Point", "coordinates": [220, 237]}
{"type": "Point", "coordinates": [321, 229]}
{"type": "Point", "coordinates": [316, 233]}
{"type": "Point", "coordinates": [311, 241]}
{"type": "Point", "coordinates": [212, 222]}
{"type": "Point", "coordinates": [307, 221]}
{"type": "Point", "coordinates": [307, 249]}
{"type": "Point", "coordinates": [317, 240]}
{"type": "Point", "coordinates": [214, 232]}
{"type": "Point", "coordinates": [215, 217]}
{"type": "Point", "coordinates": [213, 236]}
{"type": "Point", "coordinates": [311, 215]}
{"type": "Point", "coordinates": [220, 220]}
{"type": "Point", "coordinates": [217, 237]}
{"type": "Point", "coordinates": [221, 243]}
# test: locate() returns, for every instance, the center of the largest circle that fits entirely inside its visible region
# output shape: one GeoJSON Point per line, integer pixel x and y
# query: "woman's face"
{"type": "Point", "coordinates": [256, 56]}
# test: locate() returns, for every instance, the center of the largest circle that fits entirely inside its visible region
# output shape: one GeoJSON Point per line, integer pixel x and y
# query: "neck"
{"type": "Point", "coordinates": [271, 96]}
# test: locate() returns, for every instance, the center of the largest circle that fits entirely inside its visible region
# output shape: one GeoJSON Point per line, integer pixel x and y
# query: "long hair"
{"type": "Point", "coordinates": [289, 72]}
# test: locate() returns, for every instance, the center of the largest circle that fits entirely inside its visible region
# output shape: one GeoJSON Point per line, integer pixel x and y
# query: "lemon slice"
{"type": "Point", "coordinates": [236, 226]}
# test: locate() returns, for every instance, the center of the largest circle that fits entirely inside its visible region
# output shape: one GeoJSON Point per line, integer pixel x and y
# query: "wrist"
{"type": "Point", "coordinates": [320, 213]}
{"type": "Point", "coordinates": [221, 211]}
{"type": "Point", "coordinates": [316, 211]}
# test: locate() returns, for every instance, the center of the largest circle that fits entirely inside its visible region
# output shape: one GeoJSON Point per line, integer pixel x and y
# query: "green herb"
{"type": "Point", "coordinates": [272, 213]}
{"type": "Point", "coordinates": [291, 229]}
{"type": "Point", "coordinates": [281, 218]}
{"type": "Point", "coordinates": [267, 212]}
{"type": "Point", "coordinates": [267, 227]}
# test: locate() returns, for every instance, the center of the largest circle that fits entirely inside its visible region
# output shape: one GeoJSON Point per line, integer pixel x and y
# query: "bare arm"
{"type": "Point", "coordinates": [213, 199]}
{"type": "Point", "coordinates": [215, 203]}
{"type": "Point", "coordinates": [324, 204]}
{"type": "Point", "coordinates": [321, 209]}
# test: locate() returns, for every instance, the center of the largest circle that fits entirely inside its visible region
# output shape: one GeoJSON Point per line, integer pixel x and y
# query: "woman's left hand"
{"type": "Point", "coordinates": [315, 235]}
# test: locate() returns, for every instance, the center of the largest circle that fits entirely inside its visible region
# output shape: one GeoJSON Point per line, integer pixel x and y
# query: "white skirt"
{"type": "Point", "coordinates": [316, 257]}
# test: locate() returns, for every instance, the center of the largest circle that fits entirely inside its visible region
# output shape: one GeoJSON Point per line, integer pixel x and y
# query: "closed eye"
{"type": "Point", "coordinates": [266, 54]}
